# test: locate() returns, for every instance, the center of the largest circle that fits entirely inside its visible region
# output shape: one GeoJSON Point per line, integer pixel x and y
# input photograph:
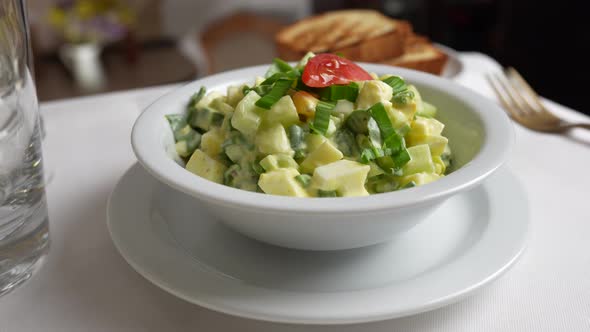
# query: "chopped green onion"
{"type": "Point", "coordinates": [321, 121]}
{"type": "Point", "coordinates": [394, 144]}
{"type": "Point", "coordinates": [230, 175]}
{"type": "Point", "coordinates": [409, 185]}
{"type": "Point", "coordinates": [296, 136]}
{"type": "Point", "coordinates": [195, 98]}
{"type": "Point", "coordinates": [272, 79]}
{"type": "Point", "coordinates": [327, 193]}
{"type": "Point", "coordinates": [257, 168]}
{"type": "Point", "coordinates": [278, 66]}
{"type": "Point", "coordinates": [304, 179]}
{"type": "Point", "coordinates": [403, 130]}
{"type": "Point", "coordinates": [396, 83]}
{"type": "Point", "coordinates": [177, 122]}
{"type": "Point", "coordinates": [367, 156]}
{"type": "Point", "coordinates": [278, 90]}
{"type": "Point", "coordinates": [402, 158]}
{"type": "Point", "coordinates": [374, 133]}
{"type": "Point", "coordinates": [384, 186]}
{"type": "Point", "coordinates": [357, 121]}
{"type": "Point", "coordinates": [338, 92]}
{"type": "Point", "coordinates": [379, 113]}
{"type": "Point", "coordinates": [403, 97]}
{"type": "Point", "coordinates": [401, 94]}
{"type": "Point", "coordinates": [282, 65]}
{"type": "Point", "coordinates": [345, 142]}
{"type": "Point", "coordinates": [394, 141]}
{"type": "Point", "coordinates": [370, 154]}
{"type": "Point", "coordinates": [299, 154]}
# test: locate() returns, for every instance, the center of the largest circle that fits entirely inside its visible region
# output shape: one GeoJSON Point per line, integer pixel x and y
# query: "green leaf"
{"type": "Point", "coordinates": [327, 193]}
{"type": "Point", "coordinates": [304, 179]}
{"type": "Point", "coordinates": [278, 90]}
{"type": "Point", "coordinates": [195, 98]}
{"type": "Point", "coordinates": [321, 121]}
{"type": "Point", "coordinates": [338, 92]}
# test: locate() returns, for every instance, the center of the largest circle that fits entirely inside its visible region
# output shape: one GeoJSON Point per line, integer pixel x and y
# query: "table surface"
{"type": "Point", "coordinates": [86, 285]}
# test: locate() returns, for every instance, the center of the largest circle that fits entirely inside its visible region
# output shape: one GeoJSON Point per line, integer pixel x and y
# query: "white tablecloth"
{"type": "Point", "coordinates": [85, 285]}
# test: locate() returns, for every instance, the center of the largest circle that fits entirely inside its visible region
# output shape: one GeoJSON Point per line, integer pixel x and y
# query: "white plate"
{"type": "Point", "coordinates": [454, 65]}
{"type": "Point", "coordinates": [467, 243]}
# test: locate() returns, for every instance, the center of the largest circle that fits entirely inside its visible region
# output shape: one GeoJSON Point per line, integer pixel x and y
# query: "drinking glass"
{"type": "Point", "coordinates": [24, 227]}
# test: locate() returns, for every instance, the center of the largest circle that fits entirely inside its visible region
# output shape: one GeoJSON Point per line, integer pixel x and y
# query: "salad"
{"type": "Point", "coordinates": [324, 128]}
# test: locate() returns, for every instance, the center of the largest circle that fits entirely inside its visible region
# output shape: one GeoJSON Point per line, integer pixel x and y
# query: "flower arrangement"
{"type": "Point", "coordinates": [91, 21]}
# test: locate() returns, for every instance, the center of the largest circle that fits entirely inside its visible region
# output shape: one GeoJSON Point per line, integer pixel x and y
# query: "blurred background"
{"type": "Point", "coordinates": [84, 47]}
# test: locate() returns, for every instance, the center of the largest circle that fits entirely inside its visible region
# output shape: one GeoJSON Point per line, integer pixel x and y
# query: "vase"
{"type": "Point", "coordinates": [83, 61]}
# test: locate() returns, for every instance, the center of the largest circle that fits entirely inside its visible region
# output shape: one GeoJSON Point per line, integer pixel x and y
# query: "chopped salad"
{"type": "Point", "coordinates": [322, 128]}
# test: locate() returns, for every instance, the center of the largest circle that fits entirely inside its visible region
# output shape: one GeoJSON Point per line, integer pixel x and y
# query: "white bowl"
{"type": "Point", "coordinates": [479, 132]}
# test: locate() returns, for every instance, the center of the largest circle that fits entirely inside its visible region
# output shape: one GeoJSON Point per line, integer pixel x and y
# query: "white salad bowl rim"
{"type": "Point", "coordinates": [497, 143]}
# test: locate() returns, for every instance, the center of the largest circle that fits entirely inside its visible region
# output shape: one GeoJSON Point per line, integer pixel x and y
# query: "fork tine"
{"type": "Point", "coordinates": [517, 98]}
{"type": "Point", "coordinates": [512, 111]}
{"type": "Point", "coordinates": [513, 74]}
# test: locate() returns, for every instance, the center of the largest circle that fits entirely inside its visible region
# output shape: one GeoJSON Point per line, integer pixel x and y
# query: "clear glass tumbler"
{"type": "Point", "coordinates": [24, 230]}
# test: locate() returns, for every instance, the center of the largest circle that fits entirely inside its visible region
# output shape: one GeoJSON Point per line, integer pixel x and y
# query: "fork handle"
{"type": "Point", "coordinates": [576, 125]}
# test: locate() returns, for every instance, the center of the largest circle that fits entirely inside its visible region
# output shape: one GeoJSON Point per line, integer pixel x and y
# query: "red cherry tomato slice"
{"type": "Point", "coordinates": [328, 69]}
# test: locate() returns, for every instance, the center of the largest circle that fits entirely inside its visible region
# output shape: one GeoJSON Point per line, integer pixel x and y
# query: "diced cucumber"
{"type": "Point", "coordinates": [221, 105]}
{"type": "Point", "coordinates": [324, 154]}
{"type": "Point", "coordinates": [276, 161]}
{"type": "Point", "coordinates": [283, 112]}
{"type": "Point", "coordinates": [347, 177]}
{"type": "Point", "coordinates": [205, 118]}
{"type": "Point", "coordinates": [418, 179]}
{"type": "Point", "coordinates": [420, 160]}
{"type": "Point", "coordinates": [204, 166]}
{"type": "Point", "coordinates": [344, 107]}
{"type": "Point", "coordinates": [375, 170]}
{"type": "Point", "coordinates": [273, 140]}
{"type": "Point", "coordinates": [211, 142]}
{"type": "Point", "coordinates": [182, 148]}
{"type": "Point", "coordinates": [411, 106]}
{"type": "Point", "coordinates": [301, 64]}
{"type": "Point", "coordinates": [332, 126]}
{"type": "Point", "coordinates": [187, 140]}
{"type": "Point", "coordinates": [313, 141]}
{"type": "Point", "coordinates": [207, 99]}
{"type": "Point", "coordinates": [282, 182]}
{"type": "Point", "coordinates": [373, 92]}
{"type": "Point", "coordinates": [428, 110]}
{"type": "Point", "coordinates": [398, 118]}
{"type": "Point", "coordinates": [234, 152]}
{"type": "Point", "coordinates": [246, 116]}
{"type": "Point", "coordinates": [235, 94]}
{"type": "Point", "coordinates": [439, 165]}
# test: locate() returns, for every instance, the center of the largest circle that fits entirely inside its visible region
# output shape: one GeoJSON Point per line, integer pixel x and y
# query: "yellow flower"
{"type": "Point", "coordinates": [56, 17]}
{"type": "Point", "coordinates": [86, 9]}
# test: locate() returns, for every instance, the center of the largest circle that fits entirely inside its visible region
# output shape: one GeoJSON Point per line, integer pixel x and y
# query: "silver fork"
{"type": "Point", "coordinates": [524, 106]}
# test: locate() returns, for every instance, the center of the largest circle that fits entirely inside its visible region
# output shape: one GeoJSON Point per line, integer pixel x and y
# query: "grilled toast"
{"type": "Point", "coordinates": [421, 55]}
{"type": "Point", "coordinates": [361, 35]}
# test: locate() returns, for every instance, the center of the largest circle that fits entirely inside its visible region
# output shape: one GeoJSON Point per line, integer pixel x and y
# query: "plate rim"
{"type": "Point", "coordinates": [222, 305]}
{"type": "Point", "coordinates": [453, 55]}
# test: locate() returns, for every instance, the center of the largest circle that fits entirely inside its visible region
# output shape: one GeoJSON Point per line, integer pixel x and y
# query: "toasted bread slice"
{"type": "Point", "coordinates": [421, 55]}
{"type": "Point", "coordinates": [361, 35]}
